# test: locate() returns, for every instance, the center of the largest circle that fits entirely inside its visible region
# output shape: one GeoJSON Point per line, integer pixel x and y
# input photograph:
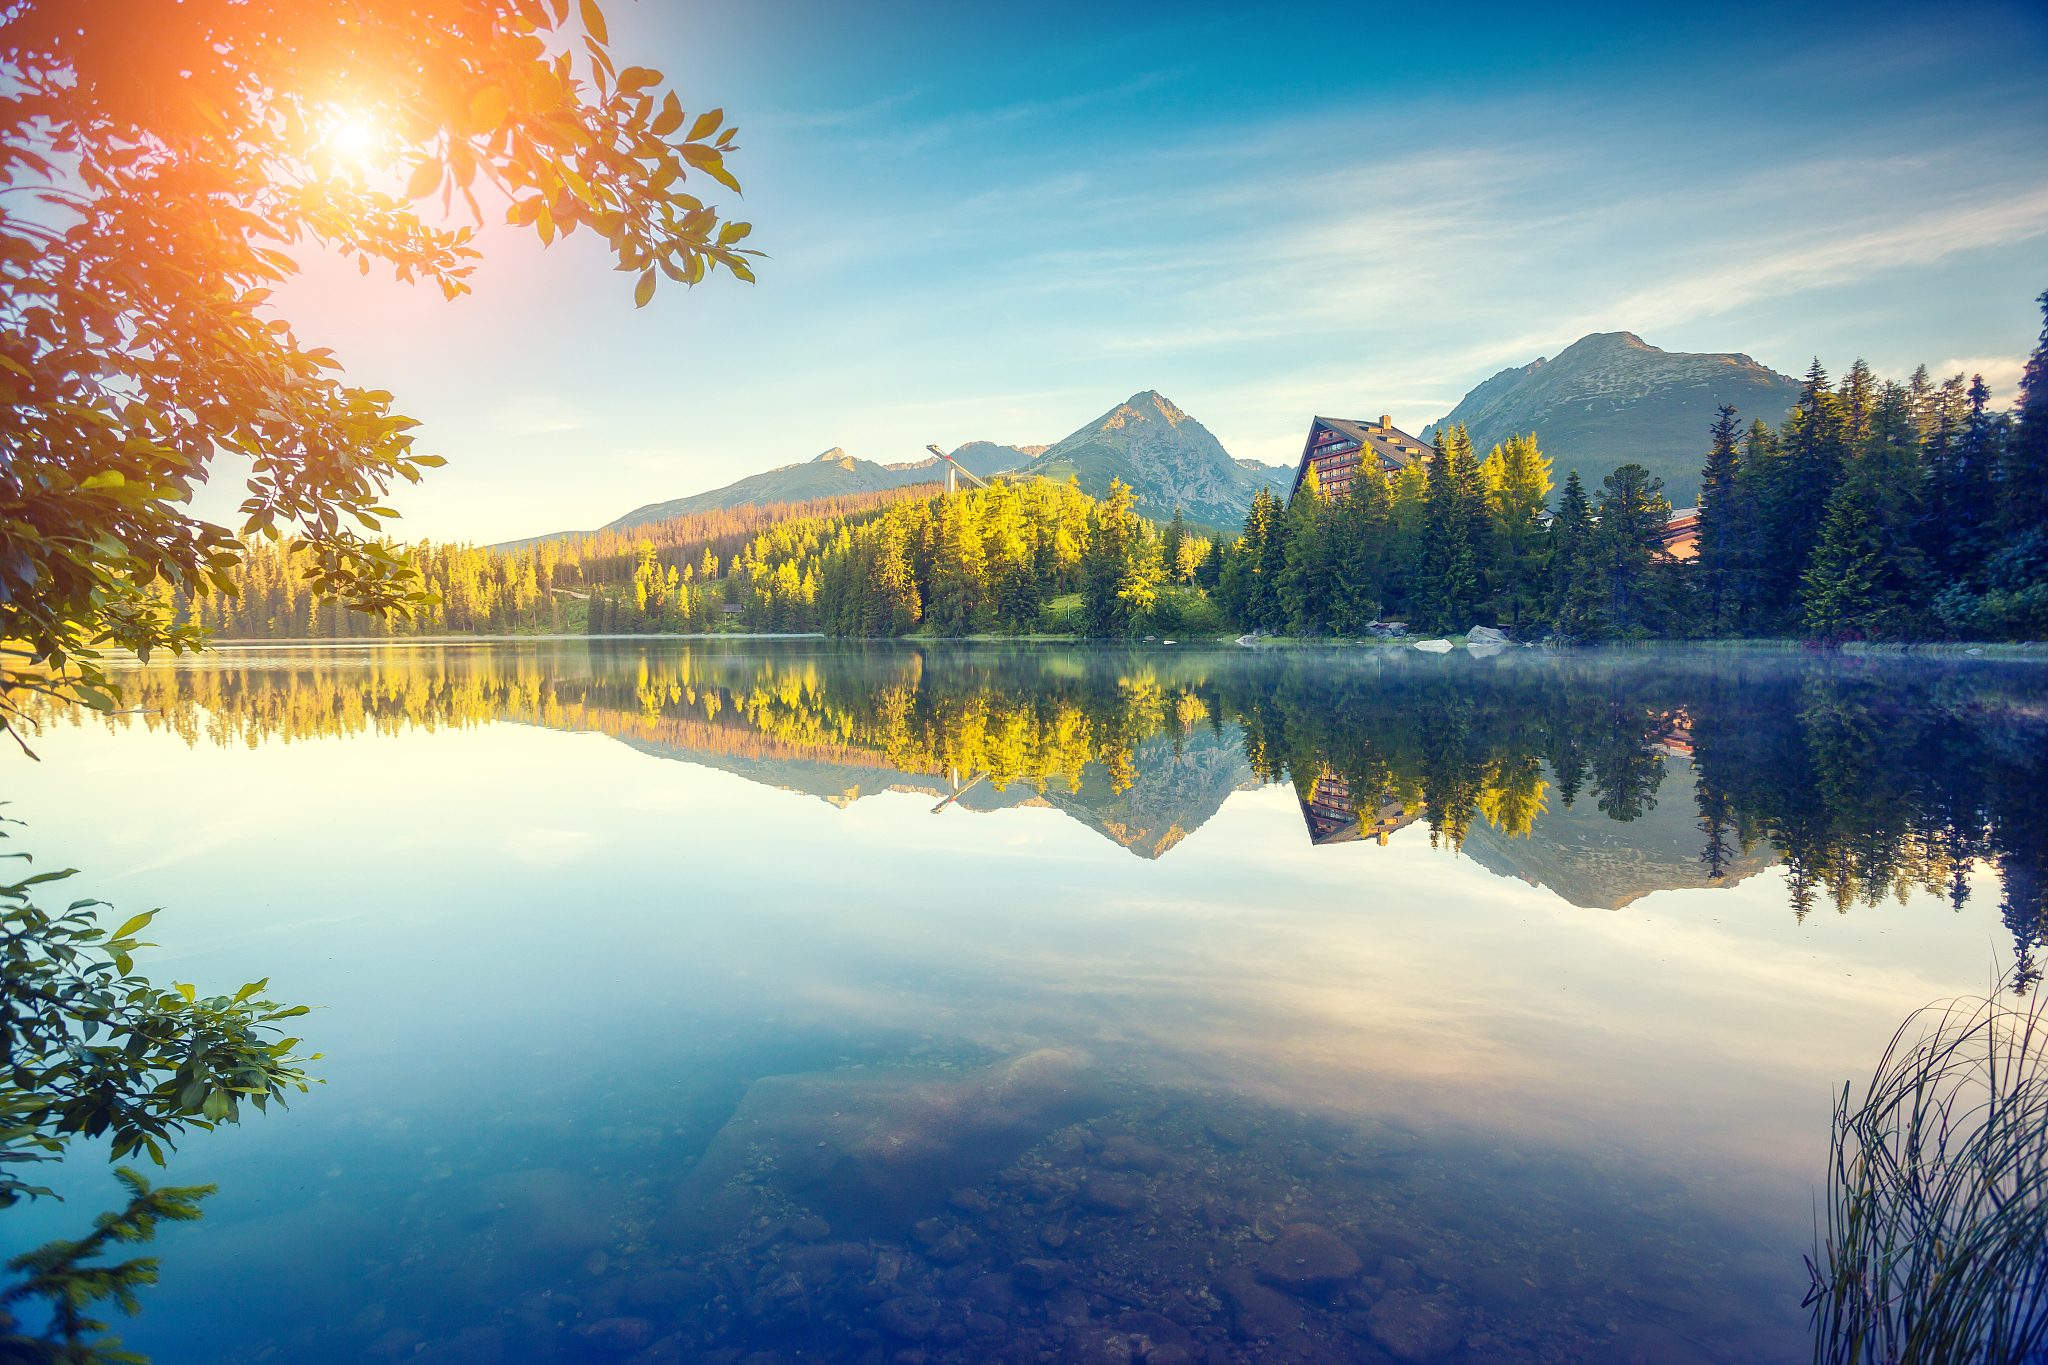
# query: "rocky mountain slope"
{"type": "Point", "coordinates": [1600, 863]}
{"type": "Point", "coordinates": [1167, 457]}
{"type": "Point", "coordinates": [1611, 398]}
{"type": "Point", "coordinates": [829, 475]}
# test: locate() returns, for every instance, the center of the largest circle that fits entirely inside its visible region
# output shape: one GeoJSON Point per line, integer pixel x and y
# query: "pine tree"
{"type": "Point", "coordinates": [1811, 454]}
{"type": "Point", "coordinates": [1631, 517]}
{"type": "Point", "coordinates": [1865, 578]}
{"type": "Point", "coordinates": [1516, 477]}
{"type": "Point", "coordinates": [2023, 481]}
{"type": "Point", "coordinates": [1572, 596]}
{"type": "Point", "coordinates": [1449, 574]}
{"type": "Point", "coordinates": [1360, 548]}
{"type": "Point", "coordinates": [1175, 536]}
{"type": "Point", "coordinates": [1720, 524]}
{"type": "Point", "coordinates": [1306, 575]}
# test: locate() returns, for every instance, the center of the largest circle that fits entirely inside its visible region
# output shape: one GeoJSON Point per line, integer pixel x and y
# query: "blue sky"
{"type": "Point", "coordinates": [995, 224]}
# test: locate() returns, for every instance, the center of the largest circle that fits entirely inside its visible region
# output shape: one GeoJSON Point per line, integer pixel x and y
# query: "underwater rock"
{"type": "Point", "coordinates": [1230, 1130]}
{"type": "Point", "coordinates": [1112, 1196]}
{"type": "Point", "coordinates": [1040, 1275]}
{"type": "Point", "coordinates": [1154, 1336]}
{"type": "Point", "coordinates": [1069, 1308]}
{"type": "Point", "coordinates": [1503, 1285]}
{"type": "Point", "coordinates": [912, 1317]}
{"type": "Point", "coordinates": [1257, 1310]}
{"type": "Point", "coordinates": [1099, 1346]}
{"type": "Point", "coordinates": [616, 1334]}
{"type": "Point", "coordinates": [667, 1351]}
{"type": "Point", "coordinates": [1306, 1256]}
{"type": "Point", "coordinates": [875, 1151]}
{"type": "Point", "coordinates": [1414, 1327]}
{"type": "Point", "coordinates": [810, 1228]}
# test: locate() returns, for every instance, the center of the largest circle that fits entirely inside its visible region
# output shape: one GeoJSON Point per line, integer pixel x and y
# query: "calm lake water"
{"type": "Point", "coordinates": [757, 1003]}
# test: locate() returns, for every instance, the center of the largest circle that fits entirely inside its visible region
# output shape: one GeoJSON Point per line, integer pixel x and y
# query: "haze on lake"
{"type": "Point", "coordinates": [703, 1000]}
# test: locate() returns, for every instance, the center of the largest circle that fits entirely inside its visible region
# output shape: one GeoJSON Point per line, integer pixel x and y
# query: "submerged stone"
{"type": "Point", "coordinates": [1257, 1310]}
{"type": "Point", "coordinates": [874, 1152]}
{"type": "Point", "coordinates": [1415, 1327]}
{"type": "Point", "coordinates": [1306, 1256]}
{"type": "Point", "coordinates": [912, 1317]}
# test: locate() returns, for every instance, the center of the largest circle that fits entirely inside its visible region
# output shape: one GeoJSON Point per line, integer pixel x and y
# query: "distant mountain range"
{"type": "Point", "coordinates": [1611, 398]}
{"type": "Point", "coordinates": [1607, 399]}
{"type": "Point", "coordinates": [830, 474]}
{"type": "Point", "coordinates": [1168, 458]}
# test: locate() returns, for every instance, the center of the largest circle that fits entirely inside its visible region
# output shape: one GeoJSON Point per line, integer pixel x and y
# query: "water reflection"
{"type": "Point", "coordinates": [762, 1081]}
{"type": "Point", "coordinates": [1602, 778]}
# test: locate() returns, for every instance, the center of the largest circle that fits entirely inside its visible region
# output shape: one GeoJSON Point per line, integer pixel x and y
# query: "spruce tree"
{"type": "Point", "coordinates": [1449, 574]}
{"type": "Point", "coordinates": [1803, 477]}
{"type": "Point", "coordinates": [1516, 478]}
{"type": "Point", "coordinates": [1865, 580]}
{"type": "Point", "coordinates": [2023, 481]}
{"type": "Point", "coordinates": [1176, 535]}
{"type": "Point", "coordinates": [1270, 612]}
{"type": "Point", "coordinates": [1304, 584]}
{"type": "Point", "coordinates": [1571, 535]}
{"type": "Point", "coordinates": [1718, 524]}
{"type": "Point", "coordinates": [1631, 518]}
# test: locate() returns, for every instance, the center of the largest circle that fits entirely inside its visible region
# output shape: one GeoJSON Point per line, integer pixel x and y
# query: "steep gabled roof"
{"type": "Point", "coordinates": [1396, 448]}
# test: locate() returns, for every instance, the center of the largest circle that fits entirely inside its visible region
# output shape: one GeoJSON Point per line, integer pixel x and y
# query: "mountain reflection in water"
{"type": "Point", "coordinates": [759, 1082]}
{"type": "Point", "coordinates": [1601, 777]}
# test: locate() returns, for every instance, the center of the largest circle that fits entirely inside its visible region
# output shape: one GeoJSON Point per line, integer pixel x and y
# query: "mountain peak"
{"type": "Point", "coordinates": [832, 456]}
{"type": "Point", "coordinates": [1167, 458]}
{"type": "Point", "coordinates": [1610, 398]}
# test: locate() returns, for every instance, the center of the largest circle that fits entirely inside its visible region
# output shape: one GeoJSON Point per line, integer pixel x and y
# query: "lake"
{"type": "Point", "coordinates": [761, 1002]}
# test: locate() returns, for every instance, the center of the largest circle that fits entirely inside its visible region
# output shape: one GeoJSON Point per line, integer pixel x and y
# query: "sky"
{"type": "Point", "coordinates": [997, 223]}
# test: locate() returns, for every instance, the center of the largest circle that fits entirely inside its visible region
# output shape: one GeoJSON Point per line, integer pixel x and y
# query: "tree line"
{"type": "Point", "coordinates": [544, 585]}
{"type": "Point", "coordinates": [1869, 784]}
{"type": "Point", "coordinates": [1875, 510]}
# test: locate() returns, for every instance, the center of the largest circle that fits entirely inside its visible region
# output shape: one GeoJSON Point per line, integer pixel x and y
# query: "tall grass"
{"type": "Point", "coordinates": [1935, 1239]}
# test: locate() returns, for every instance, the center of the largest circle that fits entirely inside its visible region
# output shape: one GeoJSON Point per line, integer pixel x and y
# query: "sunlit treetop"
{"type": "Point", "coordinates": [159, 162]}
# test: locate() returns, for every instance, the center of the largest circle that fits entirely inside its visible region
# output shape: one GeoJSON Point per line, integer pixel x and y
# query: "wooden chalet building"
{"type": "Point", "coordinates": [1336, 447]}
{"type": "Point", "coordinates": [1331, 817]}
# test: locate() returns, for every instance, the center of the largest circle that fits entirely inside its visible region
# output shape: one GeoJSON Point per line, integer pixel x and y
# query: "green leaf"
{"type": "Point", "coordinates": [593, 20]}
{"type": "Point", "coordinates": [133, 925]}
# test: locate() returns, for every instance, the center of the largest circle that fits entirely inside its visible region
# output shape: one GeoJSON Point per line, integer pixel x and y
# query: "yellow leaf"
{"type": "Point", "coordinates": [644, 290]}
{"type": "Point", "coordinates": [424, 179]}
{"type": "Point", "coordinates": [488, 107]}
{"type": "Point", "coordinates": [593, 20]}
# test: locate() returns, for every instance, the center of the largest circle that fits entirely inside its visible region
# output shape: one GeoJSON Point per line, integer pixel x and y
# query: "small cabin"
{"type": "Point", "coordinates": [1337, 446]}
{"type": "Point", "coordinates": [733, 608]}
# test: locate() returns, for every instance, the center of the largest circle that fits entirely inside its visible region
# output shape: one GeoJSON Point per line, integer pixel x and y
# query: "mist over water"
{"type": "Point", "coordinates": [689, 1001]}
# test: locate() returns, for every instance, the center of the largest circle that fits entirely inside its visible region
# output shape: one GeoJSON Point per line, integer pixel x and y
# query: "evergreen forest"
{"type": "Point", "coordinates": [1876, 510]}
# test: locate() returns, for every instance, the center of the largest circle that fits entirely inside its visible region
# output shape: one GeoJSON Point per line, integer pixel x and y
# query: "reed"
{"type": "Point", "coordinates": [1933, 1242]}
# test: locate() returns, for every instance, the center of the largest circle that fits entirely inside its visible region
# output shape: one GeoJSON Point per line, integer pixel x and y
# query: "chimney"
{"type": "Point", "coordinates": [1386, 422]}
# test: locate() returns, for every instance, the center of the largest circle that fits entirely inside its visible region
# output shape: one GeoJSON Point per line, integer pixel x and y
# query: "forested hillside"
{"type": "Point", "coordinates": [540, 586]}
{"type": "Point", "coordinates": [1875, 510]}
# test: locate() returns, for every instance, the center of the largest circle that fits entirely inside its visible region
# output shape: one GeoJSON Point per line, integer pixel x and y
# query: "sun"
{"type": "Point", "coordinates": [351, 137]}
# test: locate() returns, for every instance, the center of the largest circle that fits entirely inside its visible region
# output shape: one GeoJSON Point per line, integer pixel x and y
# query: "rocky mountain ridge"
{"type": "Point", "coordinates": [1611, 398]}
{"type": "Point", "coordinates": [830, 474]}
{"type": "Point", "coordinates": [1167, 458]}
